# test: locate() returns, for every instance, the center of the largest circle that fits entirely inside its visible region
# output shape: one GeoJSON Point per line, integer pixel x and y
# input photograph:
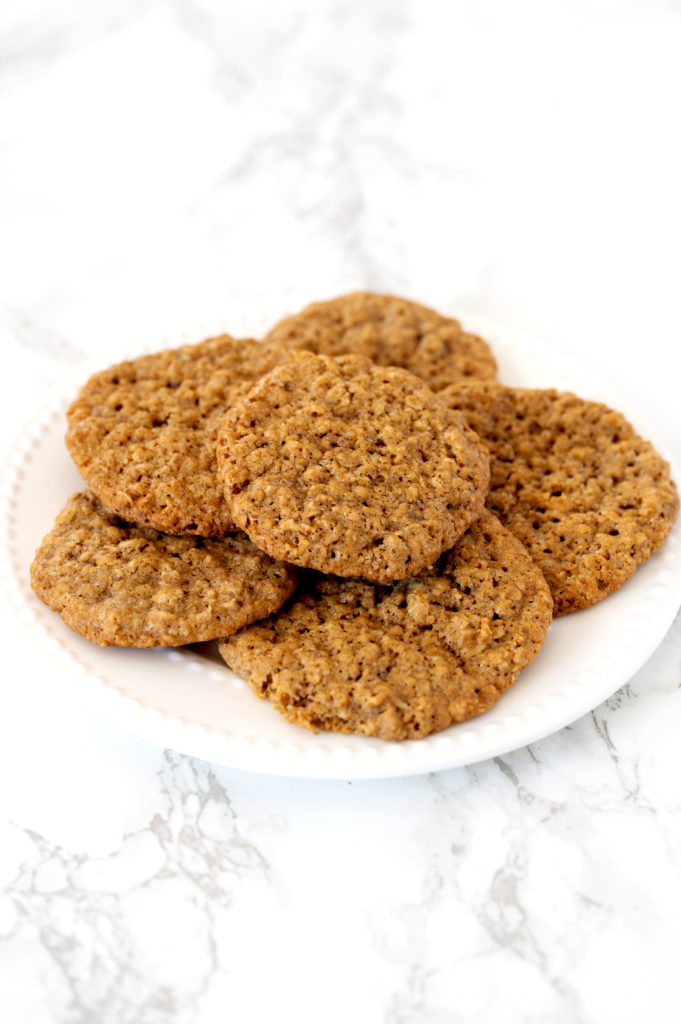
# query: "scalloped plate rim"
{"type": "Point", "coordinates": [335, 756]}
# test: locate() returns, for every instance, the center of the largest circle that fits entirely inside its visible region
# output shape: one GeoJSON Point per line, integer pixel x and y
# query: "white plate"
{"type": "Point", "coordinates": [188, 700]}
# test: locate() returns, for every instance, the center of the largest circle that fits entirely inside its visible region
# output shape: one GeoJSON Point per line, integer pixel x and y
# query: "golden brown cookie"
{"type": "Point", "coordinates": [390, 331]}
{"type": "Point", "coordinates": [347, 467]}
{"type": "Point", "coordinates": [588, 497]}
{"type": "Point", "coordinates": [116, 583]}
{"type": "Point", "coordinates": [142, 433]}
{"type": "Point", "coordinates": [402, 661]}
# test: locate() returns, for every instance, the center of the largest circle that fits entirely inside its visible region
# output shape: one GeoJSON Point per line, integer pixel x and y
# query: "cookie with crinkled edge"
{"type": "Point", "coordinates": [403, 661]}
{"type": "Point", "coordinates": [390, 331]}
{"type": "Point", "coordinates": [588, 497]}
{"type": "Point", "coordinates": [142, 433]}
{"type": "Point", "coordinates": [117, 583]}
{"type": "Point", "coordinates": [350, 468]}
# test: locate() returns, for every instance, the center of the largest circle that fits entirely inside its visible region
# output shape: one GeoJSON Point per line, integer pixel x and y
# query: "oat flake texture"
{"type": "Point", "coordinates": [403, 661]}
{"type": "Point", "coordinates": [142, 433]}
{"type": "Point", "coordinates": [349, 468]}
{"type": "Point", "coordinates": [116, 583]}
{"type": "Point", "coordinates": [390, 331]}
{"type": "Point", "coordinates": [587, 496]}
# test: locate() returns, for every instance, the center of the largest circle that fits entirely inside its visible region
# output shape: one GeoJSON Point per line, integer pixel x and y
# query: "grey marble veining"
{"type": "Point", "coordinates": [138, 926]}
{"type": "Point", "coordinates": [191, 166]}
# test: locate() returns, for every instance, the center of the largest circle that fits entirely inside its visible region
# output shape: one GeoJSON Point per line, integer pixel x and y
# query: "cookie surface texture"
{"type": "Point", "coordinates": [349, 468]}
{"type": "Point", "coordinates": [402, 661]}
{"type": "Point", "coordinates": [572, 479]}
{"type": "Point", "coordinates": [142, 433]}
{"type": "Point", "coordinates": [390, 331]}
{"type": "Point", "coordinates": [116, 583]}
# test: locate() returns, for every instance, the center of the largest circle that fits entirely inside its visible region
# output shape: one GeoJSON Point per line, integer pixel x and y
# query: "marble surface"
{"type": "Point", "coordinates": [198, 164]}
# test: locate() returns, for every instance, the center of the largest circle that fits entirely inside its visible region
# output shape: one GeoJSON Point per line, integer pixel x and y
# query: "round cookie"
{"type": "Point", "coordinates": [142, 433]}
{"type": "Point", "coordinates": [391, 332]}
{"type": "Point", "coordinates": [350, 468]}
{"type": "Point", "coordinates": [587, 496]}
{"type": "Point", "coordinates": [116, 583]}
{"type": "Point", "coordinates": [402, 661]}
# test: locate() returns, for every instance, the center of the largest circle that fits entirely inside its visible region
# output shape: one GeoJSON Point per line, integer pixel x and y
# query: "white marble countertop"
{"type": "Point", "coordinates": [192, 162]}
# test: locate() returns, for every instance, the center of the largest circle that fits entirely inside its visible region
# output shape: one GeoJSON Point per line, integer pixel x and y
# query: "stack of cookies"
{"type": "Point", "coordinates": [377, 532]}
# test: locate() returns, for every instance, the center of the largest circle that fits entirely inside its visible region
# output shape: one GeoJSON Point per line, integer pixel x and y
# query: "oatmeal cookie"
{"type": "Point", "coordinates": [116, 583]}
{"type": "Point", "coordinates": [402, 661]}
{"type": "Point", "coordinates": [142, 433]}
{"type": "Point", "coordinates": [391, 332]}
{"type": "Point", "coordinates": [350, 468]}
{"type": "Point", "coordinates": [587, 496]}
